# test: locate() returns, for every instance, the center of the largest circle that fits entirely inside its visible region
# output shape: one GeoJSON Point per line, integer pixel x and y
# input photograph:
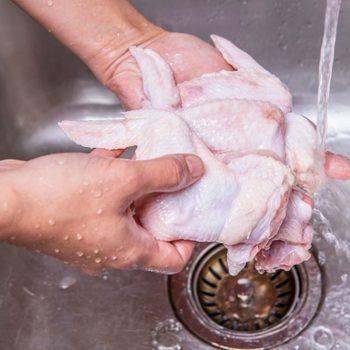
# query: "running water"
{"type": "Point", "coordinates": [325, 71]}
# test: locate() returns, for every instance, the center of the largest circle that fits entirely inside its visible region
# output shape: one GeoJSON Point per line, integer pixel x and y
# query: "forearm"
{"type": "Point", "coordinates": [92, 27]}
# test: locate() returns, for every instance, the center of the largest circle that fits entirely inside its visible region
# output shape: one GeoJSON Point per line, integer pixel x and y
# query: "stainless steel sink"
{"type": "Point", "coordinates": [46, 305]}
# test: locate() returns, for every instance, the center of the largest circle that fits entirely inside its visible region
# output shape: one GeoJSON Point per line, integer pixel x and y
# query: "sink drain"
{"type": "Point", "coordinates": [247, 311]}
{"type": "Point", "coordinates": [248, 302]}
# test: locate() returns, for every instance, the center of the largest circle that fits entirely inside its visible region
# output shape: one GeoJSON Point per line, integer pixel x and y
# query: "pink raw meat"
{"type": "Point", "coordinates": [253, 153]}
{"type": "Point", "coordinates": [250, 81]}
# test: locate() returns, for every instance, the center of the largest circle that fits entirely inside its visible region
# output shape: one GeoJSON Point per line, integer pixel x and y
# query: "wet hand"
{"type": "Point", "coordinates": [78, 208]}
{"type": "Point", "coordinates": [188, 56]}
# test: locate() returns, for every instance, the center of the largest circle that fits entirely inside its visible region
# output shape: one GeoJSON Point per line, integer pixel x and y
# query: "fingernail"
{"type": "Point", "coordinates": [195, 166]}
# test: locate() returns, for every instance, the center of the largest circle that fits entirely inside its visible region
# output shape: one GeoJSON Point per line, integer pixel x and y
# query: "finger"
{"type": "Point", "coordinates": [156, 72]}
{"type": "Point", "coordinates": [166, 174]}
{"type": "Point", "coordinates": [8, 164]}
{"type": "Point", "coordinates": [170, 257]}
{"type": "Point", "coordinates": [128, 86]}
{"type": "Point", "coordinates": [337, 166]}
{"type": "Point", "coordinates": [307, 199]}
{"type": "Point", "coordinates": [101, 152]}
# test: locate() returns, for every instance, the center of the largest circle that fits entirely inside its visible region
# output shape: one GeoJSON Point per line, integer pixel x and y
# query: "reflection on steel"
{"type": "Point", "coordinates": [247, 311]}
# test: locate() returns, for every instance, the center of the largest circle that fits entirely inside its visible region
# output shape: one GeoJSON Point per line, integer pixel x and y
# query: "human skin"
{"type": "Point", "coordinates": [75, 206]}
{"type": "Point", "coordinates": [100, 32]}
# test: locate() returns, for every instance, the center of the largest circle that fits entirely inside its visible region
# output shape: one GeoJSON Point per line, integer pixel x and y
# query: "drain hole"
{"type": "Point", "coordinates": [247, 311]}
{"type": "Point", "coordinates": [246, 302]}
{"type": "Point", "coordinates": [210, 284]}
{"type": "Point", "coordinates": [223, 265]}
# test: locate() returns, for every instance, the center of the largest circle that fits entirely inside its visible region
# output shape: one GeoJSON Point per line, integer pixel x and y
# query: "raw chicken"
{"type": "Point", "coordinates": [254, 157]}
{"type": "Point", "coordinates": [250, 81]}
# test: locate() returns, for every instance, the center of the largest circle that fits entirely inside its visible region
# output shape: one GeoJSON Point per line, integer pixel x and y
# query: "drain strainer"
{"type": "Point", "coordinates": [248, 302]}
{"type": "Point", "coordinates": [247, 311]}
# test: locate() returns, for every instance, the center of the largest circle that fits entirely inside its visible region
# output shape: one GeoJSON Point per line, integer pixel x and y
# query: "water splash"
{"type": "Point", "coordinates": [167, 335]}
{"type": "Point", "coordinates": [323, 337]}
{"type": "Point", "coordinates": [67, 282]}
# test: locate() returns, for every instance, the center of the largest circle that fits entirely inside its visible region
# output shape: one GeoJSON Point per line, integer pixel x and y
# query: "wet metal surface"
{"type": "Point", "coordinates": [44, 304]}
{"type": "Point", "coordinates": [248, 302]}
{"type": "Point", "coordinates": [248, 311]}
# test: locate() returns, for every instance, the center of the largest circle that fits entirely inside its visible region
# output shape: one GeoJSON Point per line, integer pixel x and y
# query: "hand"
{"type": "Point", "coordinates": [101, 31]}
{"type": "Point", "coordinates": [77, 207]}
{"type": "Point", "coordinates": [188, 56]}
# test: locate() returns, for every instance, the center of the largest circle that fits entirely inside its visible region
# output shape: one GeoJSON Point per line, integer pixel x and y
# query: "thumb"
{"type": "Point", "coordinates": [166, 174]}
{"type": "Point", "coordinates": [127, 84]}
{"type": "Point", "coordinates": [169, 257]}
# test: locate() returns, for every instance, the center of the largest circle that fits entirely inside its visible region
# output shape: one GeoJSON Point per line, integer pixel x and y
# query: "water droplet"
{"type": "Point", "coordinates": [80, 190]}
{"type": "Point", "coordinates": [324, 336]}
{"type": "Point", "coordinates": [66, 237]}
{"type": "Point", "coordinates": [105, 275]}
{"type": "Point", "coordinates": [99, 211]}
{"type": "Point", "coordinates": [67, 282]}
{"type": "Point", "coordinates": [5, 206]}
{"type": "Point", "coordinates": [86, 183]}
{"type": "Point", "coordinates": [12, 238]}
{"type": "Point", "coordinates": [98, 260]}
{"type": "Point", "coordinates": [79, 253]}
{"type": "Point", "coordinates": [321, 257]}
{"type": "Point", "coordinates": [50, 3]}
{"type": "Point", "coordinates": [79, 237]}
{"type": "Point", "coordinates": [96, 251]}
{"type": "Point", "coordinates": [344, 277]}
{"type": "Point", "coordinates": [168, 335]}
{"type": "Point", "coordinates": [51, 222]}
{"type": "Point", "coordinates": [96, 193]}
{"type": "Point", "coordinates": [113, 257]}
{"type": "Point", "coordinates": [61, 162]}
{"type": "Point", "coordinates": [56, 250]}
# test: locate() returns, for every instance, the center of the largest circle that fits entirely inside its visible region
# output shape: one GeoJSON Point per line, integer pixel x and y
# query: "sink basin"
{"type": "Point", "coordinates": [47, 305]}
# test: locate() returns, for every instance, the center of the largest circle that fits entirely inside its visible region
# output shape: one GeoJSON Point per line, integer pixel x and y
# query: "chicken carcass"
{"type": "Point", "coordinates": [254, 157]}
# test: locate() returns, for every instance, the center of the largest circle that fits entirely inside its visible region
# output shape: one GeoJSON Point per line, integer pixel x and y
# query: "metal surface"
{"type": "Point", "coordinates": [41, 82]}
{"type": "Point", "coordinates": [251, 301]}
{"type": "Point", "coordinates": [215, 307]}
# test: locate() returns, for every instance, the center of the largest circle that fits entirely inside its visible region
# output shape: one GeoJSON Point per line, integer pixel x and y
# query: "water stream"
{"type": "Point", "coordinates": [325, 71]}
{"type": "Point", "coordinates": [329, 225]}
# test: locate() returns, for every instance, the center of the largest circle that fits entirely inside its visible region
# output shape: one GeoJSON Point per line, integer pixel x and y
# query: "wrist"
{"type": "Point", "coordinates": [112, 52]}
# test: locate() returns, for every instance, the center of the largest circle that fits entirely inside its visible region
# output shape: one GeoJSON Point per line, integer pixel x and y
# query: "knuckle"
{"type": "Point", "coordinates": [129, 176]}
{"type": "Point", "coordinates": [176, 170]}
{"type": "Point", "coordinates": [133, 179]}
